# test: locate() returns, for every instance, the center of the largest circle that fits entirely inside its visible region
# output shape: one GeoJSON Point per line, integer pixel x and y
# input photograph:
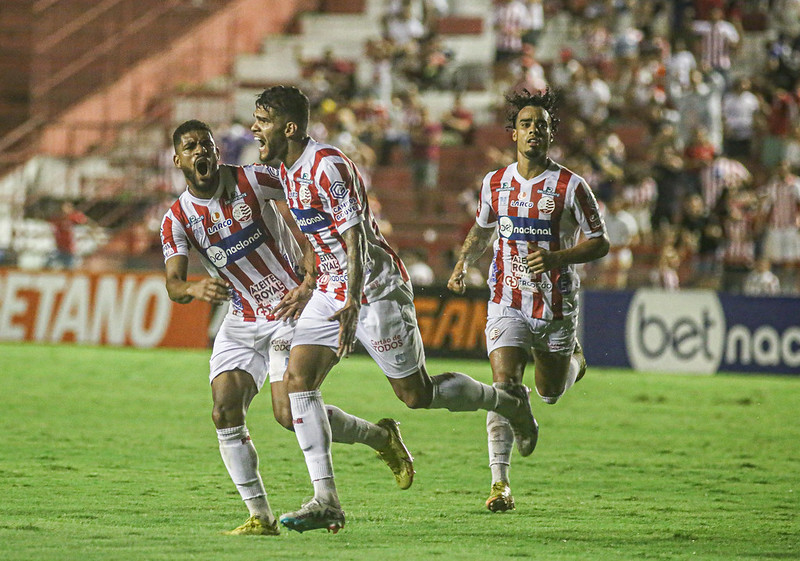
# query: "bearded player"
{"type": "Point", "coordinates": [229, 216]}
{"type": "Point", "coordinates": [363, 292]}
{"type": "Point", "coordinates": [538, 209]}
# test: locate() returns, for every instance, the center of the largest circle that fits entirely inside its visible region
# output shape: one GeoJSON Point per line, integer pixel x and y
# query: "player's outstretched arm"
{"type": "Point", "coordinates": [182, 291]}
{"type": "Point", "coordinates": [474, 245]}
{"type": "Point", "coordinates": [355, 238]}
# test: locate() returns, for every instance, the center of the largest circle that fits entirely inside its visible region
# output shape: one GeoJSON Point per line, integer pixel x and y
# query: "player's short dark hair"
{"type": "Point", "coordinates": [517, 101]}
{"type": "Point", "coordinates": [286, 101]}
{"type": "Point", "coordinates": [189, 126]}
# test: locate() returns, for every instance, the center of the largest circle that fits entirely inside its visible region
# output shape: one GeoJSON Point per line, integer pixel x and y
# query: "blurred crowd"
{"type": "Point", "coordinates": [692, 150]}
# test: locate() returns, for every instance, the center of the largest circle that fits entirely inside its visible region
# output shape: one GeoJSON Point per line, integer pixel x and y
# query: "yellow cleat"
{"type": "Point", "coordinates": [500, 499]}
{"type": "Point", "coordinates": [255, 526]}
{"type": "Point", "coordinates": [396, 455]}
{"type": "Point", "coordinates": [578, 352]}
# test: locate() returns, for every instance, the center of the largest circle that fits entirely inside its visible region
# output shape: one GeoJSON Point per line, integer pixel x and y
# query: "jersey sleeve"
{"type": "Point", "coordinates": [265, 181]}
{"type": "Point", "coordinates": [341, 190]}
{"type": "Point", "coordinates": [486, 217]}
{"type": "Point", "coordinates": [173, 236]}
{"type": "Point", "coordinates": [586, 211]}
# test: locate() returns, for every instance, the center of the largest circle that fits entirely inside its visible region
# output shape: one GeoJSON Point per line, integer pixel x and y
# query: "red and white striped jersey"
{"type": "Point", "coordinates": [549, 210]}
{"type": "Point", "coordinates": [326, 195]}
{"type": "Point", "coordinates": [240, 236]}
{"type": "Point", "coordinates": [782, 202]}
{"type": "Point", "coordinates": [723, 173]}
{"type": "Point", "coordinates": [717, 41]}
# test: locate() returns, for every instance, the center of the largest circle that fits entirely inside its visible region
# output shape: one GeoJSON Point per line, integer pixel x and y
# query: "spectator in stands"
{"type": "Point", "coordinates": [761, 281]}
{"type": "Point", "coordinates": [679, 69]}
{"type": "Point", "coordinates": [419, 271]}
{"type": "Point", "coordinates": [512, 21]}
{"type": "Point", "coordinates": [458, 124]}
{"type": "Point", "coordinates": [623, 233]}
{"type": "Point", "coordinates": [665, 275]}
{"type": "Point", "coordinates": [592, 96]}
{"type": "Point", "coordinates": [426, 142]}
{"type": "Point", "coordinates": [741, 110]}
{"type": "Point", "coordinates": [536, 11]}
{"type": "Point", "coordinates": [639, 193]}
{"type": "Point", "coordinates": [63, 222]}
{"type": "Point", "coordinates": [781, 210]}
{"type": "Point", "coordinates": [739, 220]}
{"type": "Point", "coordinates": [719, 40]}
{"type": "Point", "coordinates": [701, 106]}
{"type": "Point", "coordinates": [698, 238]}
{"type": "Point", "coordinates": [782, 115]}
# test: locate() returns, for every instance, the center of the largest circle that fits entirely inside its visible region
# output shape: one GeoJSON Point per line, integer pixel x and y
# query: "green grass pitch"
{"type": "Point", "coordinates": [110, 454]}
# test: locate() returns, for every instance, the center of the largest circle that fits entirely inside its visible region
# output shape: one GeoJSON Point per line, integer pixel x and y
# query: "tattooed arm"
{"type": "Point", "coordinates": [474, 245]}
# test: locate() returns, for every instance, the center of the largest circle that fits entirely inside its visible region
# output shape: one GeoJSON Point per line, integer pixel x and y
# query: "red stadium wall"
{"type": "Point", "coordinates": [97, 309]}
{"type": "Point", "coordinates": [205, 52]}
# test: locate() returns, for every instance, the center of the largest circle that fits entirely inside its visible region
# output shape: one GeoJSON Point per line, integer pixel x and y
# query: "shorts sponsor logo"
{"type": "Point", "coordinates": [281, 345]}
{"type": "Point", "coordinates": [235, 246]}
{"type": "Point", "coordinates": [546, 205]}
{"type": "Point", "coordinates": [339, 189]}
{"type": "Point", "coordinates": [525, 229]}
{"type": "Point", "coordinates": [242, 212]}
{"type": "Point", "coordinates": [227, 223]}
{"type": "Point", "coordinates": [387, 344]}
{"type": "Point", "coordinates": [346, 210]}
{"type": "Point", "coordinates": [310, 220]}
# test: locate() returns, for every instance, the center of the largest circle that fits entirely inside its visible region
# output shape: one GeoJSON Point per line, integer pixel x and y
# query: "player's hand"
{"type": "Point", "coordinates": [211, 289]}
{"type": "Point", "coordinates": [541, 260]}
{"type": "Point", "coordinates": [348, 320]}
{"type": "Point", "coordinates": [457, 282]}
{"type": "Point", "coordinates": [292, 303]}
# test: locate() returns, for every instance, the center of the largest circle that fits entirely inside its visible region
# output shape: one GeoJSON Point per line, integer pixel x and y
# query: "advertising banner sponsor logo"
{"type": "Point", "coordinates": [97, 309]}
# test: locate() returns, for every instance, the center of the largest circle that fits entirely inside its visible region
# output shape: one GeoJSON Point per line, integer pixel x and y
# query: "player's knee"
{"type": "Point", "coordinates": [549, 395]}
{"type": "Point", "coordinates": [414, 399]}
{"type": "Point", "coordinates": [284, 418]}
{"type": "Point", "coordinates": [227, 415]}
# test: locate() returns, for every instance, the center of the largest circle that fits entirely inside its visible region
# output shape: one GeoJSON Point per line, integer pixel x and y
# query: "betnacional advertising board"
{"type": "Point", "coordinates": [97, 309]}
{"type": "Point", "coordinates": [692, 331]}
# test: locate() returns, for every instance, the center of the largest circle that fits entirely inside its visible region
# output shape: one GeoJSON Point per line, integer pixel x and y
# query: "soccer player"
{"type": "Point", "coordinates": [228, 214]}
{"type": "Point", "coordinates": [362, 293]}
{"type": "Point", "coordinates": [537, 208]}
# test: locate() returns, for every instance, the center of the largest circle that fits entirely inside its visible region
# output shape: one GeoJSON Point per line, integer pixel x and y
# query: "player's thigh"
{"type": "Point", "coordinates": [236, 347]}
{"type": "Point", "coordinates": [552, 353]}
{"type": "Point", "coordinates": [388, 330]}
{"type": "Point", "coordinates": [508, 364]}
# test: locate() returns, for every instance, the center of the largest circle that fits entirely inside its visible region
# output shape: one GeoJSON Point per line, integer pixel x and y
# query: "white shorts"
{"type": "Point", "coordinates": [387, 328]}
{"type": "Point", "coordinates": [257, 347]}
{"type": "Point", "coordinates": [782, 246]}
{"type": "Point", "coordinates": [509, 327]}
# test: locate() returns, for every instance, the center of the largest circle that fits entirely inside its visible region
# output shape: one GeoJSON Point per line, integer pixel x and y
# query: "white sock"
{"type": "Point", "coordinates": [241, 460]}
{"type": "Point", "coordinates": [458, 392]}
{"type": "Point", "coordinates": [572, 375]}
{"type": "Point", "coordinates": [348, 429]}
{"type": "Point", "coordinates": [313, 431]}
{"type": "Point", "coordinates": [501, 442]}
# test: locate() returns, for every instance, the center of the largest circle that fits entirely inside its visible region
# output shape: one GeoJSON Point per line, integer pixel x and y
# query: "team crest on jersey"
{"type": "Point", "coordinates": [547, 205]}
{"type": "Point", "coordinates": [242, 212]}
{"type": "Point", "coordinates": [339, 189]}
{"type": "Point", "coordinates": [305, 195]}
